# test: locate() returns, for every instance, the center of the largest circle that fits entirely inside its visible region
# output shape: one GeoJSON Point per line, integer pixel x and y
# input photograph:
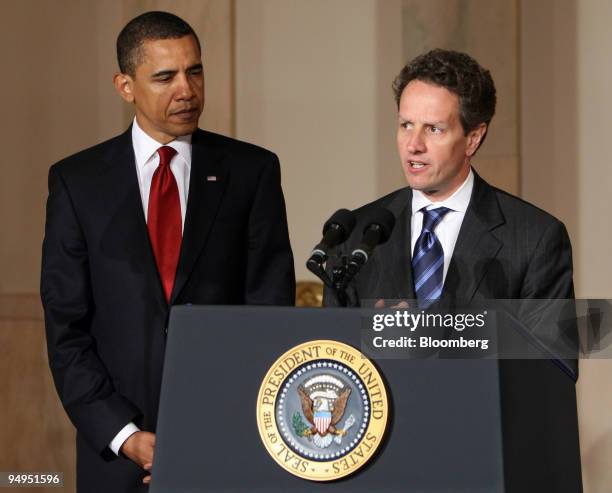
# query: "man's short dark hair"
{"type": "Point", "coordinates": [148, 26]}
{"type": "Point", "coordinates": [461, 75]}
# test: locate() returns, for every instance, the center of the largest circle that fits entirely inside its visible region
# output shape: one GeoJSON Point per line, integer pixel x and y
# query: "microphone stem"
{"type": "Point", "coordinates": [317, 269]}
{"type": "Point", "coordinates": [339, 278]}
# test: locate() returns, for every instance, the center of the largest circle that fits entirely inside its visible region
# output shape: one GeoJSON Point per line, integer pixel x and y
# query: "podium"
{"type": "Point", "coordinates": [454, 425]}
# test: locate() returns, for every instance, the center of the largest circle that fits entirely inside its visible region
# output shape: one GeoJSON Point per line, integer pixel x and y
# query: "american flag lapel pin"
{"type": "Point", "coordinates": [211, 178]}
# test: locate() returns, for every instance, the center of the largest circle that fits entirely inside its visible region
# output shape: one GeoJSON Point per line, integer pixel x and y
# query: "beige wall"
{"type": "Point", "coordinates": [487, 30]}
{"type": "Point", "coordinates": [313, 84]}
{"type": "Point", "coordinates": [594, 171]}
{"type": "Point", "coordinates": [58, 99]}
{"type": "Point", "coordinates": [566, 107]}
{"type": "Point", "coordinates": [593, 265]}
{"type": "Point", "coordinates": [549, 138]}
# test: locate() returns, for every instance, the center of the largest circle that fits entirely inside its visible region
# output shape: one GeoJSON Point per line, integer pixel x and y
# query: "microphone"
{"type": "Point", "coordinates": [335, 231]}
{"type": "Point", "coordinates": [378, 229]}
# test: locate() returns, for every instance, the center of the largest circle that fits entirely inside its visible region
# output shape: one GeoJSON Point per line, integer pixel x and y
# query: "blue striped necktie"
{"type": "Point", "coordinates": [428, 259]}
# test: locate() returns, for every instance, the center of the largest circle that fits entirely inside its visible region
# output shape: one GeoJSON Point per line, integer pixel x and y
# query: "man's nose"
{"type": "Point", "coordinates": [416, 143]}
{"type": "Point", "coordinates": [184, 90]}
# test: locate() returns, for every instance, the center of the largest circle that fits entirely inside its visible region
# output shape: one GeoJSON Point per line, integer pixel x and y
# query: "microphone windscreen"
{"type": "Point", "coordinates": [345, 219]}
{"type": "Point", "coordinates": [383, 218]}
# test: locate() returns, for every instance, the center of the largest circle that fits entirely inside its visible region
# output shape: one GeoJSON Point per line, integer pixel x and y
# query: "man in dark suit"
{"type": "Point", "coordinates": [163, 214]}
{"type": "Point", "coordinates": [456, 237]}
{"type": "Point", "coordinates": [457, 240]}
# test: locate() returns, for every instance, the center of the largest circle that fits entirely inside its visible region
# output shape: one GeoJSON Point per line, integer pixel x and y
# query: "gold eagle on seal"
{"type": "Point", "coordinates": [323, 412]}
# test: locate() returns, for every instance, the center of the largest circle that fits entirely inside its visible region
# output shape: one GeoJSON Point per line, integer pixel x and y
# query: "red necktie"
{"type": "Point", "coordinates": [164, 220]}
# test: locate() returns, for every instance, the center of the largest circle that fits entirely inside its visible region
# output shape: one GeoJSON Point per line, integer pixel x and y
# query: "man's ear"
{"type": "Point", "coordinates": [124, 86]}
{"type": "Point", "coordinates": [474, 138]}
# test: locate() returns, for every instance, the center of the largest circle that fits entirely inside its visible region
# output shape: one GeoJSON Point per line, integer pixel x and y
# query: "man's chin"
{"type": "Point", "coordinates": [417, 184]}
{"type": "Point", "coordinates": [429, 190]}
{"type": "Point", "coordinates": [182, 129]}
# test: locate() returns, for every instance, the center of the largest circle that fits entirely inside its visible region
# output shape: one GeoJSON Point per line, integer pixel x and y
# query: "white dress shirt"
{"type": "Point", "coordinates": [147, 161]}
{"type": "Point", "coordinates": [447, 230]}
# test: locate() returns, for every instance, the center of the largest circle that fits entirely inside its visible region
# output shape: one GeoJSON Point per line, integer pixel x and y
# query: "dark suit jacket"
{"type": "Point", "coordinates": [506, 249]}
{"type": "Point", "coordinates": [105, 311]}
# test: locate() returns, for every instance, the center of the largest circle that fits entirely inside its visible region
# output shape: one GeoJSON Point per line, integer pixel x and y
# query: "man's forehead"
{"type": "Point", "coordinates": [177, 50]}
{"type": "Point", "coordinates": [424, 101]}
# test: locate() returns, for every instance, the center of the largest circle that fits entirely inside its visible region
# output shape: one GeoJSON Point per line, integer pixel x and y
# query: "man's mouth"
{"type": "Point", "coordinates": [186, 110]}
{"type": "Point", "coordinates": [417, 164]}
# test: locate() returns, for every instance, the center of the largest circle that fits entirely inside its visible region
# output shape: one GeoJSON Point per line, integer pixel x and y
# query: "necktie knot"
{"type": "Point", "coordinates": [432, 217]}
{"type": "Point", "coordinates": [166, 153]}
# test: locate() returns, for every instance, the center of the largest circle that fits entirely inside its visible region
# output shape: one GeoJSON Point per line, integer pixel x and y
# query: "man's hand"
{"type": "Point", "coordinates": [139, 448]}
{"type": "Point", "coordinates": [147, 479]}
{"type": "Point", "coordinates": [380, 303]}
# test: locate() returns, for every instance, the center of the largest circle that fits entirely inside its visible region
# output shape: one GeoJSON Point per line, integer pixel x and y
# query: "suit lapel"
{"type": "Point", "coordinates": [128, 236]}
{"type": "Point", "coordinates": [207, 184]}
{"type": "Point", "coordinates": [476, 245]}
{"type": "Point", "coordinates": [395, 258]}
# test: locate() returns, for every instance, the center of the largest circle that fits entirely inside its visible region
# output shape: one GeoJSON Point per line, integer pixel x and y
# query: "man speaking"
{"type": "Point", "coordinates": [457, 238]}
{"type": "Point", "coordinates": [458, 241]}
{"type": "Point", "coordinates": [163, 214]}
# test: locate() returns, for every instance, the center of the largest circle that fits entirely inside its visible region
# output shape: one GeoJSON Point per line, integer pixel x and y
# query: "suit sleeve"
{"type": "Point", "coordinates": [81, 380]}
{"type": "Point", "coordinates": [548, 281]}
{"type": "Point", "coordinates": [550, 273]}
{"type": "Point", "coordinates": [270, 275]}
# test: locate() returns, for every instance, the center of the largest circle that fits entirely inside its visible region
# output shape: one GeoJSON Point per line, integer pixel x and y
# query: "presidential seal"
{"type": "Point", "coordinates": [322, 410]}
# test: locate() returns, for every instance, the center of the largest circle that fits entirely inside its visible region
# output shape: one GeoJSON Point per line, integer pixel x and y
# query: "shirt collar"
{"type": "Point", "coordinates": [458, 201]}
{"type": "Point", "coordinates": [145, 146]}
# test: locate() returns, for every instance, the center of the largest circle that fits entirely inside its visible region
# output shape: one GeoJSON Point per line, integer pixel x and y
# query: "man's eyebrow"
{"type": "Point", "coordinates": [439, 123]}
{"type": "Point", "coordinates": [195, 66]}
